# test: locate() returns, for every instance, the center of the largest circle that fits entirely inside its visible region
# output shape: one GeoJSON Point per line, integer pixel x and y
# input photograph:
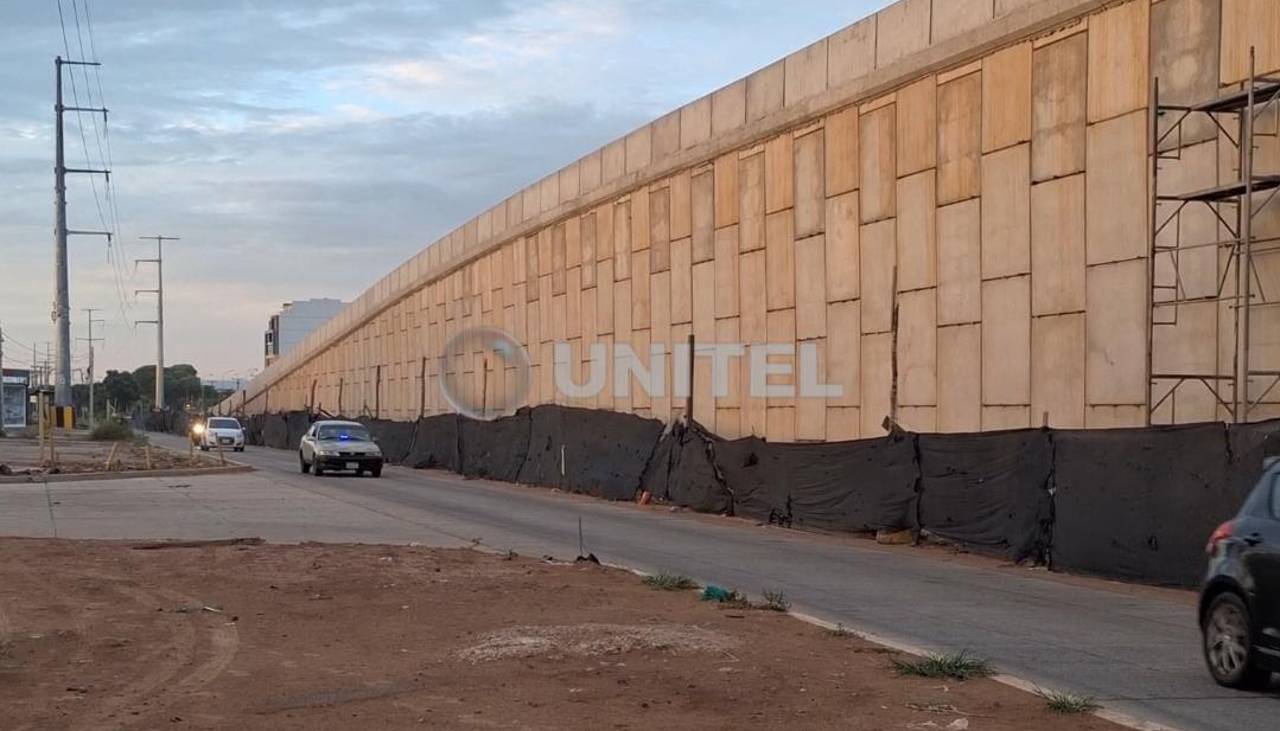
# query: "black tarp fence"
{"type": "Point", "coordinates": [1133, 504]}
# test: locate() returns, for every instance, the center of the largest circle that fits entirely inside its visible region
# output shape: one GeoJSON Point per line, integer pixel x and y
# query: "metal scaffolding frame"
{"type": "Point", "coordinates": [1235, 206]}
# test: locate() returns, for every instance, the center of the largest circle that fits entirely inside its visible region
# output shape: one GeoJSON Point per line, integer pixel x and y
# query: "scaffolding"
{"type": "Point", "coordinates": [1235, 206]}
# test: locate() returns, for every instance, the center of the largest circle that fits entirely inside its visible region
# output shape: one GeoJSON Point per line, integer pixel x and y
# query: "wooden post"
{"type": "Point", "coordinates": [377, 392]}
{"type": "Point", "coordinates": [688, 404]}
{"type": "Point", "coordinates": [111, 457]}
{"type": "Point", "coordinates": [422, 398]}
{"type": "Point", "coordinates": [311, 403]}
{"type": "Point", "coordinates": [341, 382]}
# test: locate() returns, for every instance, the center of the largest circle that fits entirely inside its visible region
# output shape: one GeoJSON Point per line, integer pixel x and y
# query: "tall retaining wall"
{"type": "Point", "coordinates": [948, 200]}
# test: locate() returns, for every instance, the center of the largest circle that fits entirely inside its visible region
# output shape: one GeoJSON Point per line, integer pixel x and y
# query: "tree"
{"type": "Point", "coordinates": [120, 388]}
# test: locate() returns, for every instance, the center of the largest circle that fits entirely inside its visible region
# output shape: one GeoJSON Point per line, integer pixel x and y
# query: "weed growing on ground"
{"type": "Point", "coordinates": [1068, 702]}
{"type": "Point", "coordinates": [957, 665]}
{"type": "Point", "coordinates": [842, 631]}
{"type": "Point", "coordinates": [669, 582]}
{"type": "Point", "coordinates": [776, 601]}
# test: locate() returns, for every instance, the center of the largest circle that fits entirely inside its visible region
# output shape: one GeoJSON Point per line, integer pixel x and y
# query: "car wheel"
{"type": "Point", "coordinates": [317, 470]}
{"type": "Point", "coordinates": [1228, 644]}
{"type": "Point", "coordinates": [302, 464]}
{"type": "Point", "coordinates": [376, 471]}
{"type": "Point", "coordinates": [239, 449]}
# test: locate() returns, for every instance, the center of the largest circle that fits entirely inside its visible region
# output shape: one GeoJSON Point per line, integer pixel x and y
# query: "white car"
{"type": "Point", "coordinates": [219, 431]}
{"type": "Point", "coordinates": [333, 446]}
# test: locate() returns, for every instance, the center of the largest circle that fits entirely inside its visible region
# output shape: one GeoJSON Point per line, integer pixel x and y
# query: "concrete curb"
{"type": "Point", "coordinates": [1013, 681]}
{"type": "Point", "coordinates": [231, 468]}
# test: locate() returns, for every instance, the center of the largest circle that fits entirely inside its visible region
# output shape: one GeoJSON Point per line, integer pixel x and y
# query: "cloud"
{"type": "Point", "coordinates": [302, 148]}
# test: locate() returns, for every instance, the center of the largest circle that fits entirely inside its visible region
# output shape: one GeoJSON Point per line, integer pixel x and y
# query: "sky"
{"type": "Point", "coordinates": [303, 148]}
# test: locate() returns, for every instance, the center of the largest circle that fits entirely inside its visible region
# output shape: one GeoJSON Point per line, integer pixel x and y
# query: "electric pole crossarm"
{"type": "Point", "coordinates": [95, 110]}
{"type": "Point", "coordinates": [73, 232]}
{"type": "Point", "coordinates": [68, 62]}
{"type": "Point", "coordinates": [86, 171]}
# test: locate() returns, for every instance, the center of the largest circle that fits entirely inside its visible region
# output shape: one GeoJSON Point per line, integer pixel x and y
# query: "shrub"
{"type": "Point", "coordinates": [670, 582]}
{"type": "Point", "coordinates": [112, 431]}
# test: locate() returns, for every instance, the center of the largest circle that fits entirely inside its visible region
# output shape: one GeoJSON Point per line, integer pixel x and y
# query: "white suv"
{"type": "Point", "coordinates": [220, 431]}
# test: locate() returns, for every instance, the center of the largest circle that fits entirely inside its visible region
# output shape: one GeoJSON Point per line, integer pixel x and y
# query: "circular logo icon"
{"type": "Point", "coordinates": [485, 373]}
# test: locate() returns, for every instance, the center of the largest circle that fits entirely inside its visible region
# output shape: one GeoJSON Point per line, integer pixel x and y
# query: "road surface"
{"type": "Point", "coordinates": [1135, 649]}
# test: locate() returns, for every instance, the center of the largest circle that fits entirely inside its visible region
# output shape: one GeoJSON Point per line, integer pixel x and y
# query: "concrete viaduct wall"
{"type": "Point", "coordinates": [949, 199]}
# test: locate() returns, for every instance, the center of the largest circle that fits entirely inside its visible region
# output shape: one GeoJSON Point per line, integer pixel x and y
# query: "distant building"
{"type": "Point", "coordinates": [294, 322]}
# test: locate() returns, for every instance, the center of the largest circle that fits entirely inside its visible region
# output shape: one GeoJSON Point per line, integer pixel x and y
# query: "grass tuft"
{"type": "Point", "coordinates": [842, 631]}
{"type": "Point", "coordinates": [669, 582]}
{"type": "Point", "coordinates": [776, 601]}
{"type": "Point", "coordinates": [1070, 703]}
{"type": "Point", "coordinates": [956, 665]}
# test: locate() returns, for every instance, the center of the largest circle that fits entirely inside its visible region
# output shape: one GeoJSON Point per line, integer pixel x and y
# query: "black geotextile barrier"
{"type": "Point", "coordinates": [296, 424]}
{"type": "Point", "coordinates": [683, 472]}
{"type": "Point", "coordinates": [435, 444]}
{"type": "Point", "coordinates": [253, 429]}
{"type": "Point", "coordinates": [1248, 445]}
{"type": "Point", "coordinates": [989, 492]}
{"type": "Point", "coordinates": [1140, 503]}
{"type": "Point", "coordinates": [495, 450]}
{"type": "Point", "coordinates": [275, 431]}
{"type": "Point", "coordinates": [394, 438]}
{"type": "Point", "coordinates": [600, 453]}
{"type": "Point", "coordinates": [858, 487]}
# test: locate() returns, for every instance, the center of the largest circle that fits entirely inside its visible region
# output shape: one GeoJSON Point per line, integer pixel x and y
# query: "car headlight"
{"type": "Point", "coordinates": [198, 429]}
{"type": "Point", "coordinates": [326, 452]}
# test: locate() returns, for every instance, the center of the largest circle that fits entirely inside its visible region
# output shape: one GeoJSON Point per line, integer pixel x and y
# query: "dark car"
{"type": "Point", "coordinates": [1240, 602]}
{"type": "Point", "coordinates": [333, 446]}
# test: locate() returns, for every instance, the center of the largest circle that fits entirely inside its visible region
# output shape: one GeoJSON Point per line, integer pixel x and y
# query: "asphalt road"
{"type": "Point", "coordinates": [1135, 649]}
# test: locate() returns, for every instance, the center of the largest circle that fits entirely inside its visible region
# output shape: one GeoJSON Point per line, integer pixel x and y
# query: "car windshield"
{"type": "Point", "coordinates": [344, 432]}
{"type": "Point", "coordinates": [223, 424]}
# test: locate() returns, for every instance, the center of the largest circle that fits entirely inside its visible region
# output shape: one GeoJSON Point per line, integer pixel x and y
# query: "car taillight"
{"type": "Point", "coordinates": [1220, 534]}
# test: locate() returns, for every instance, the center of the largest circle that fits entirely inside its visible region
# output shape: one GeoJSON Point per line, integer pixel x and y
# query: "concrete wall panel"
{"type": "Point", "coordinates": [960, 264]}
{"type": "Point", "coordinates": [918, 348]}
{"type": "Point", "coordinates": [1057, 246]}
{"type": "Point", "coordinates": [1057, 370]}
{"type": "Point", "coordinates": [1060, 95]}
{"type": "Point", "coordinates": [810, 288]}
{"type": "Point", "coordinates": [960, 139]}
{"type": "Point", "coordinates": [959, 377]}
{"type": "Point", "coordinates": [902, 29]}
{"type": "Point", "coordinates": [842, 247]}
{"type": "Point", "coordinates": [1006, 219]}
{"type": "Point", "coordinates": [1117, 191]}
{"type": "Point", "coordinates": [876, 266]}
{"type": "Point", "coordinates": [841, 158]}
{"type": "Point", "coordinates": [1006, 341]}
{"type": "Point", "coordinates": [1116, 333]}
{"type": "Point", "coordinates": [917, 235]}
{"type": "Point", "coordinates": [917, 130]}
{"type": "Point", "coordinates": [1118, 51]}
{"type": "Point", "coordinates": [877, 151]}
{"type": "Point", "coordinates": [810, 185]}
{"type": "Point", "coordinates": [1245, 24]}
{"type": "Point", "coordinates": [1006, 98]}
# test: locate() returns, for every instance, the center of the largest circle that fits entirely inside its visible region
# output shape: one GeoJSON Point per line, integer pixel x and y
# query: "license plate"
{"type": "Point", "coordinates": [353, 465]}
{"type": "Point", "coordinates": [226, 440]}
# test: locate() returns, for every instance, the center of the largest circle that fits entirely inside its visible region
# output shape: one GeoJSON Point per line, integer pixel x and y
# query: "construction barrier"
{"type": "Point", "coordinates": [1133, 504]}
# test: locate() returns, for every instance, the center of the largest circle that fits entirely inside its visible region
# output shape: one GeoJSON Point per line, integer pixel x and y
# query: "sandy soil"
{"type": "Point", "coordinates": [103, 635]}
{"type": "Point", "coordinates": [78, 455]}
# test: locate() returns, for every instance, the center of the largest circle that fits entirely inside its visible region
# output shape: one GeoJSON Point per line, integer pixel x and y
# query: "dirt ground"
{"type": "Point", "coordinates": [105, 635]}
{"type": "Point", "coordinates": [77, 454]}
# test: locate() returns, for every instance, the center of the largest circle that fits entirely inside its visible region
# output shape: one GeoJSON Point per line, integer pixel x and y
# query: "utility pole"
{"type": "Point", "coordinates": [62, 296]}
{"type": "Point", "coordinates": [88, 311]}
{"type": "Point", "coordinates": [159, 321]}
{"type": "Point", "coordinates": [1, 381]}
